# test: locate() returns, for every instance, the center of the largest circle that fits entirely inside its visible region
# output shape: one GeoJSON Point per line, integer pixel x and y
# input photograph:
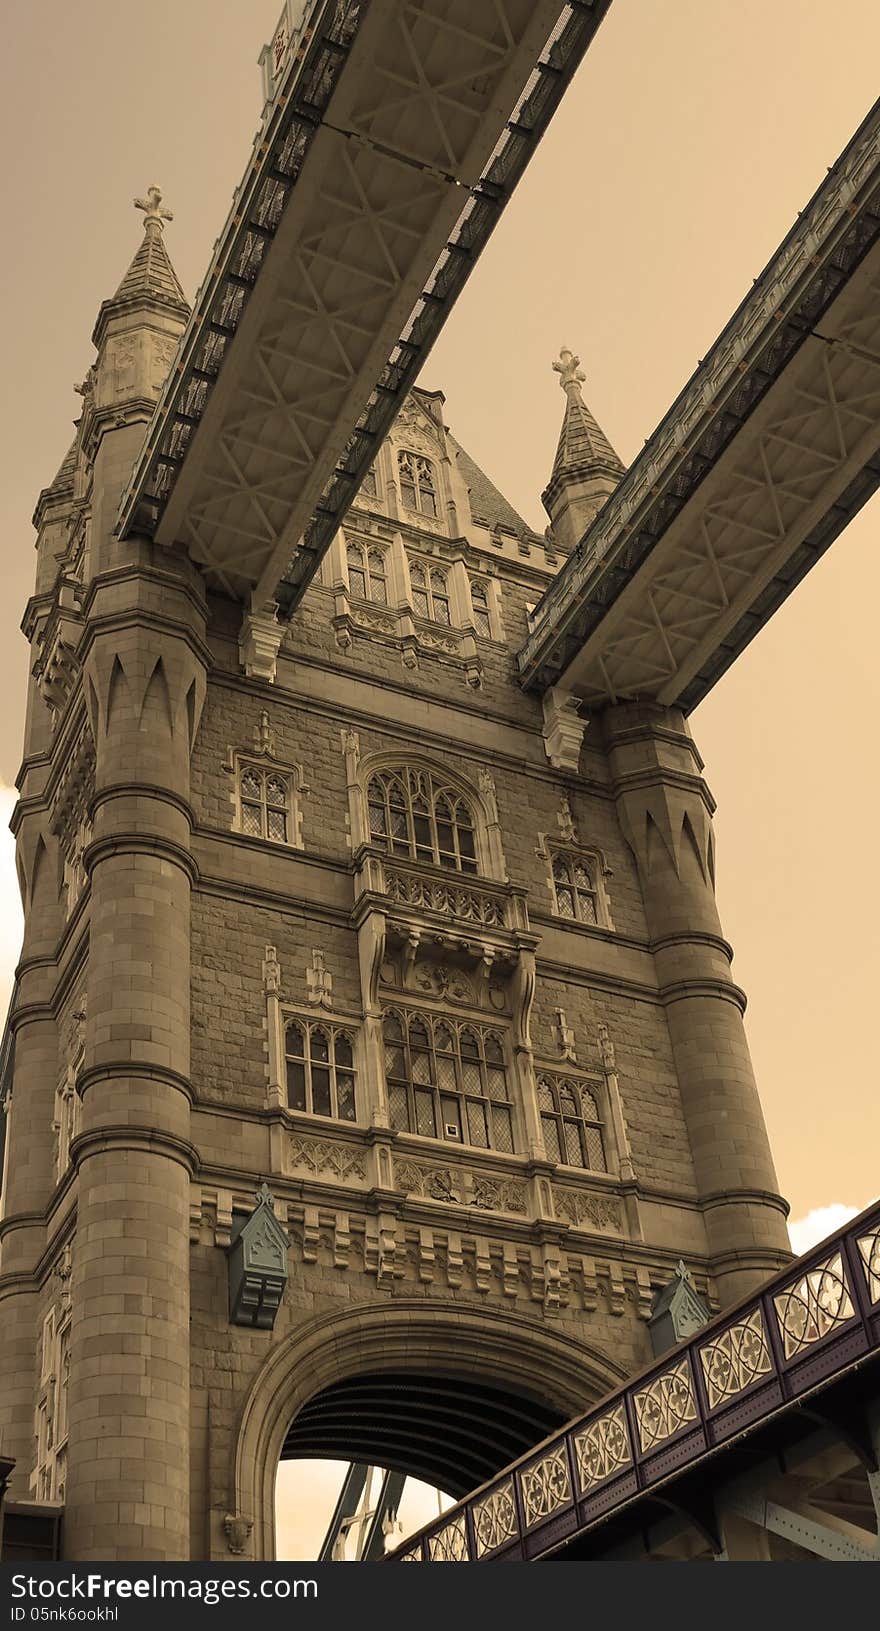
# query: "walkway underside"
{"type": "Point", "coordinates": [770, 450]}
{"type": "Point", "coordinates": [375, 183]}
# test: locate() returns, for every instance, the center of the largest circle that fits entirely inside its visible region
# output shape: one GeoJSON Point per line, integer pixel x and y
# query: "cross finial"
{"type": "Point", "coordinates": [571, 375]}
{"type": "Point", "coordinates": [154, 213]}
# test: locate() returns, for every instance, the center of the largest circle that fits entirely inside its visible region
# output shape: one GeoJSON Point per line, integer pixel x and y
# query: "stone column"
{"type": "Point", "coordinates": [665, 810]}
{"type": "Point", "coordinates": [144, 666]}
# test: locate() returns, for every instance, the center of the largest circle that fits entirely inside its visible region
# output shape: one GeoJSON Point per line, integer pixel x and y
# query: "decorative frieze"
{"type": "Point", "coordinates": [581, 1208]}
{"type": "Point", "coordinates": [325, 1157]}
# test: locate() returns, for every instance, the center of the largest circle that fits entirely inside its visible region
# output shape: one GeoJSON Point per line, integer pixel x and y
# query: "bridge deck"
{"type": "Point", "coordinates": [789, 1360]}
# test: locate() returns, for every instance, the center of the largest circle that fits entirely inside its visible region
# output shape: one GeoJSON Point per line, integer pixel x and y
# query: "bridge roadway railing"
{"type": "Point", "coordinates": [277, 172]}
{"type": "Point", "coordinates": [808, 1327]}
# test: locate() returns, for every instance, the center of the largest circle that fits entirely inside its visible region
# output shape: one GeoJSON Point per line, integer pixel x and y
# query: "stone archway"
{"type": "Point", "coordinates": [517, 1357]}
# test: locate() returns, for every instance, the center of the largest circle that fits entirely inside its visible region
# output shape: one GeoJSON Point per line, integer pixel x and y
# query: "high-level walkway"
{"type": "Point", "coordinates": [394, 140]}
{"type": "Point", "coordinates": [769, 451]}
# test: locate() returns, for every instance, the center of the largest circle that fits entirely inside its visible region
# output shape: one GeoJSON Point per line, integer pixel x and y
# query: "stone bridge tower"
{"type": "Point", "coordinates": [377, 1057]}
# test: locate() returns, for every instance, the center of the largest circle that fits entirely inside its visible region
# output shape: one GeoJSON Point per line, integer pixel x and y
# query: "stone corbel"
{"type": "Point", "coordinates": [259, 642]}
{"type": "Point", "coordinates": [473, 666]}
{"type": "Point", "coordinates": [563, 728]}
{"type": "Point", "coordinates": [238, 1533]}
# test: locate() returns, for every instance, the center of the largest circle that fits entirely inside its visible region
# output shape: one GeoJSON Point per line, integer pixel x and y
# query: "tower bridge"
{"type": "Point", "coordinates": [376, 1074]}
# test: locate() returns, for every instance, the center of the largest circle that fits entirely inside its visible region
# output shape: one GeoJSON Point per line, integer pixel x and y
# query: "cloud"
{"type": "Point", "coordinates": [823, 1220]}
{"type": "Point", "coordinates": [10, 901]}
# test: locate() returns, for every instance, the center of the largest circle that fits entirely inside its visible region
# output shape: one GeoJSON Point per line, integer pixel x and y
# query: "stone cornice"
{"type": "Point", "coordinates": [687, 990]}
{"type": "Point", "coordinates": [138, 843]}
{"type": "Point", "coordinates": [112, 1069]}
{"type": "Point", "coordinates": [126, 1136]}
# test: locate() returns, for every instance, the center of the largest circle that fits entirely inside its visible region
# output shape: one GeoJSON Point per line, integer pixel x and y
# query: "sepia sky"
{"type": "Point", "coordinates": [694, 132]}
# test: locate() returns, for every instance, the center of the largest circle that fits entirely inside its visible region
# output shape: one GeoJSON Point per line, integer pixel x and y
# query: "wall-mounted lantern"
{"type": "Point", "coordinates": [257, 1266]}
{"type": "Point", "coordinates": [677, 1312]}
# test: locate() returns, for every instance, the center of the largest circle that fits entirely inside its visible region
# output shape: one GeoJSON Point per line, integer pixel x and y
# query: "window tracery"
{"type": "Point", "coordinates": [430, 593]}
{"type": "Point", "coordinates": [480, 609]}
{"type": "Point", "coordinates": [367, 573]}
{"type": "Point", "coordinates": [571, 1122]}
{"type": "Point", "coordinates": [417, 486]}
{"type": "Point", "coordinates": [320, 1069]}
{"type": "Point", "coordinates": [267, 803]}
{"type": "Point", "coordinates": [447, 1080]}
{"type": "Point", "coordinates": [413, 815]}
{"type": "Point", "coordinates": [574, 888]}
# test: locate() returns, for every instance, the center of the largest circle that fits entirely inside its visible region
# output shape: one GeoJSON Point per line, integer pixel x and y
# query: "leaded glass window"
{"type": "Point", "coordinates": [320, 1069]}
{"type": "Point", "coordinates": [368, 487]}
{"type": "Point", "coordinates": [417, 487]}
{"type": "Point", "coordinates": [414, 816]}
{"type": "Point", "coordinates": [447, 1080]}
{"type": "Point", "coordinates": [367, 575]}
{"type": "Point", "coordinates": [574, 887]}
{"type": "Point", "coordinates": [480, 605]}
{"type": "Point", "coordinates": [571, 1123]}
{"type": "Point", "coordinates": [266, 803]}
{"type": "Point", "coordinates": [430, 592]}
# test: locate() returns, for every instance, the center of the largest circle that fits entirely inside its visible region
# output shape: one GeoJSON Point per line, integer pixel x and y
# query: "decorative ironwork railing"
{"type": "Point", "coordinates": [817, 1318]}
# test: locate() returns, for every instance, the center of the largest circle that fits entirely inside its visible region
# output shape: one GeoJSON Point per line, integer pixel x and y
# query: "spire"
{"type": "Point", "coordinates": [151, 279]}
{"type": "Point", "coordinates": [151, 274]}
{"type": "Point", "coordinates": [586, 468]}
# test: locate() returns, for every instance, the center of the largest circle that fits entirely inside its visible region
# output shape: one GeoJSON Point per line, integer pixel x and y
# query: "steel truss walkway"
{"type": "Point", "coordinates": [396, 137]}
{"type": "Point", "coordinates": [769, 451]}
{"type": "Point", "coordinates": [766, 1423]}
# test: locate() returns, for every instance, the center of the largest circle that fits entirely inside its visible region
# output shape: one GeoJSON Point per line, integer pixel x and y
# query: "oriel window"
{"type": "Point", "coordinates": [413, 816]}
{"type": "Point", "coordinates": [447, 1080]}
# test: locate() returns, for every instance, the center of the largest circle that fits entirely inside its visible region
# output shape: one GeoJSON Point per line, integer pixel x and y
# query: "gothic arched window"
{"type": "Point", "coordinates": [480, 606]}
{"type": "Point", "coordinates": [430, 592]}
{"type": "Point", "coordinates": [368, 488]}
{"type": "Point", "coordinates": [266, 798]}
{"type": "Point", "coordinates": [574, 887]}
{"type": "Point", "coordinates": [320, 1069]}
{"type": "Point", "coordinates": [414, 816]}
{"type": "Point", "coordinates": [571, 1123]}
{"type": "Point", "coordinates": [417, 487]}
{"type": "Point", "coordinates": [367, 576]}
{"type": "Point", "coordinates": [447, 1080]}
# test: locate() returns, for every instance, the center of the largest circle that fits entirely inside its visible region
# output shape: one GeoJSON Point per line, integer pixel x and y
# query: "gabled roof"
{"type": "Point", "coordinates": [487, 504]}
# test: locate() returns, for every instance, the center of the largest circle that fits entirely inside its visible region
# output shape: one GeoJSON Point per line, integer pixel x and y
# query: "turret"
{"type": "Point", "coordinates": [586, 468]}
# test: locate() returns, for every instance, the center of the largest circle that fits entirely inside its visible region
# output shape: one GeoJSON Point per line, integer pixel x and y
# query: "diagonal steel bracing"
{"type": "Point", "coordinates": [395, 139]}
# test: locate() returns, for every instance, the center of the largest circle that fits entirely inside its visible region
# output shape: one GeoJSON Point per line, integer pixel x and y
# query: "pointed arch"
{"type": "Point", "coordinates": [418, 809]}
{"type": "Point", "coordinates": [459, 1341]}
